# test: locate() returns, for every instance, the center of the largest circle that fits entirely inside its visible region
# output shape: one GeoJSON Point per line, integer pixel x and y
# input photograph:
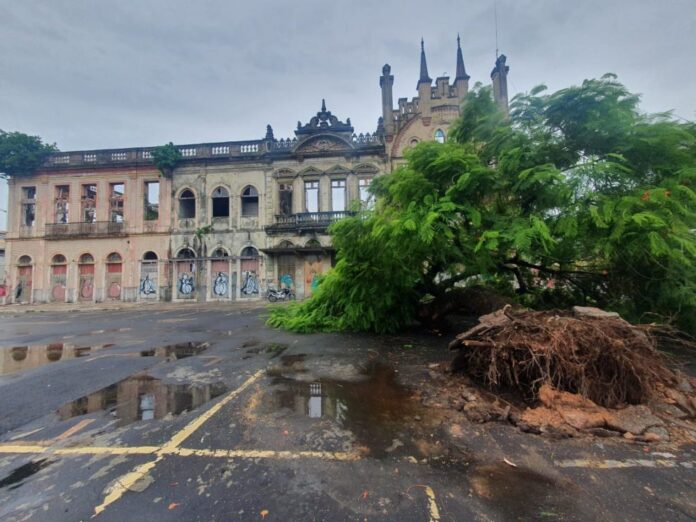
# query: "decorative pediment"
{"type": "Point", "coordinates": [366, 168]}
{"type": "Point", "coordinates": [311, 171]}
{"type": "Point", "coordinates": [338, 170]}
{"type": "Point", "coordinates": [324, 121]}
{"type": "Point", "coordinates": [323, 143]}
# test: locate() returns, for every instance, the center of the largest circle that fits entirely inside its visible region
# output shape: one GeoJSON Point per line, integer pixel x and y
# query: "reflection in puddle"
{"type": "Point", "coordinates": [21, 358]}
{"type": "Point", "coordinates": [176, 351]}
{"type": "Point", "coordinates": [375, 410]}
{"type": "Point", "coordinates": [16, 478]}
{"type": "Point", "coordinates": [142, 397]}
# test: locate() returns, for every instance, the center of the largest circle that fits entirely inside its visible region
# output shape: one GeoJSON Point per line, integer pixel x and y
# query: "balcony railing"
{"type": "Point", "coordinates": [305, 222]}
{"type": "Point", "coordinates": [89, 229]}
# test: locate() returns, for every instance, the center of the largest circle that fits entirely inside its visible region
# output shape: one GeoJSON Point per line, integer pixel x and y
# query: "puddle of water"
{"type": "Point", "coordinates": [522, 494]}
{"type": "Point", "coordinates": [376, 410]}
{"type": "Point", "coordinates": [177, 351]}
{"type": "Point", "coordinates": [21, 358]}
{"type": "Point", "coordinates": [16, 478]}
{"type": "Point", "coordinates": [142, 397]}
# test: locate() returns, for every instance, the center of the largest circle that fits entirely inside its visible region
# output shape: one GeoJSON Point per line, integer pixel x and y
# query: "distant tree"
{"type": "Point", "coordinates": [577, 198]}
{"type": "Point", "coordinates": [21, 154]}
{"type": "Point", "coordinates": [166, 158]}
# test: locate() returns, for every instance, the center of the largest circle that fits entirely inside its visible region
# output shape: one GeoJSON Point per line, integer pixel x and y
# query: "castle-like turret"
{"type": "Point", "coordinates": [499, 80]}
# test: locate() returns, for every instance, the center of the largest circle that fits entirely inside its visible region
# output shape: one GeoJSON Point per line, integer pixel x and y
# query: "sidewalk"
{"type": "Point", "coordinates": [14, 309]}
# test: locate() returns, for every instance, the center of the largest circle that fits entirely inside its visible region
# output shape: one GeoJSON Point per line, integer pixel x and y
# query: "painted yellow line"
{"type": "Point", "coordinates": [196, 423]}
{"type": "Point", "coordinates": [432, 505]}
{"type": "Point", "coordinates": [74, 429]}
{"type": "Point", "coordinates": [265, 454]}
{"type": "Point", "coordinates": [619, 464]}
{"type": "Point", "coordinates": [106, 450]}
{"type": "Point", "coordinates": [22, 448]}
{"type": "Point", "coordinates": [124, 483]}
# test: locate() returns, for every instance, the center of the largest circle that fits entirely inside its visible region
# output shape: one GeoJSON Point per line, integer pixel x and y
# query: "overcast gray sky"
{"type": "Point", "coordinates": [100, 74]}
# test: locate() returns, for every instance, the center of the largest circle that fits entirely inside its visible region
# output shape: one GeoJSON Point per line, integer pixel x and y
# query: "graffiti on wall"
{"type": "Point", "coordinates": [186, 285]}
{"type": "Point", "coordinates": [148, 286]}
{"type": "Point", "coordinates": [220, 284]}
{"type": "Point", "coordinates": [250, 283]}
{"type": "Point", "coordinates": [286, 281]}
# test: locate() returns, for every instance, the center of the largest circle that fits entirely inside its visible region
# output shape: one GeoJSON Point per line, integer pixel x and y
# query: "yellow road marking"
{"type": "Point", "coordinates": [432, 505]}
{"type": "Point", "coordinates": [266, 454]}
{"type": "Point", "coordinates": [124, 483]}
{"type": "Point", "coordinates": [196, 423]}
{"type": "Point", "coordinates": [22, 448]}
{"type": "Point", "coordinates": [619, 464]}
{"type": "Point", "coordinates": [74, 429]}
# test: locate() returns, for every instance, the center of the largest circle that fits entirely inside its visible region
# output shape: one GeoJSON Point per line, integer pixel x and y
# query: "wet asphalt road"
{"type": "Point", "coordinates": [139, 415]}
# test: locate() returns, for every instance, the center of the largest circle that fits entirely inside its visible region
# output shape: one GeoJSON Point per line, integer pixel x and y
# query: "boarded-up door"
{"type": "Point", "coordinates": [250, 278]}
{"type": "Point", "coordinates": [23, 289]}
{"type": "Point", "coordinates": [114, 271]}
{"type": "Point", "coordinates": [185, 285]}
{"type": "Point", "coordinates": [286, 271]}
{"type": "Point", "coordinates": [220, 278]}
{"type": "Point", "coordinates": [58, 281]}
{"type": "Point", "coordinates": [86, 272]}
{"type": "Point", "coordinates": [148, 280]}
{"type": "Point", "coordinates": [312, 270]}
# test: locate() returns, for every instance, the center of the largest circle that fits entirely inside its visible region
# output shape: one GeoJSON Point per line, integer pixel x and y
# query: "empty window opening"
{"type": "Point", "coordinates": [62, 203]}
{"type": "Point", "coordinates": [367, 200]}
{"type": "Point", "coordinates": [440, 136]}
{"type": "Point", "coordinates": [221, 202]}
{"type": "Point", "coordinates": [187, 205]}
{"type": "Point", "coordinates": [250, 202]}
{"type": "Point", "coordinates": [89, 203]}
{"type": "Point", "coordinates": [219, 252]}
{"type": "Point", "coordinates": [285, 198]}
{"type": "Point", "coordinates": [338, 195]}
{"type": "Point", "coordinates": [116, 197]}
{"type": "Point", "coordinates": [149, 256]}
{"type": "Point", "coordinates": [28, 206]}
{"type": "Point", "coordinates": [151, 200]}
{"type": "Point", "coordinates": [311, 196]}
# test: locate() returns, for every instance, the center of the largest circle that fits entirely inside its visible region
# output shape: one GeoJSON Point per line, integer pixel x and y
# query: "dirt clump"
{"type": "Point", "coordinates": [564, 373]}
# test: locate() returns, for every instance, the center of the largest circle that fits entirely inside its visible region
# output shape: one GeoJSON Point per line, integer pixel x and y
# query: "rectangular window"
{"type": "Point", "coordinates": [28, 206]}
{"type": "Point", "coordinates": [285, 199]}
{"type": "Point", "coordinates": [311, 196]}
{"type": "Point", "coordinates": [366, 199]}
{"type": "Point", "coordinates": [151, 200]}
{"type": "Point", "coordinates": [338, 195]}
{"type": "Point", "coordinates": [89, 203]}
{"type": "Point", "coordinates": [116, 191]}
{"type": "Point", "coordinates": [62, 203]}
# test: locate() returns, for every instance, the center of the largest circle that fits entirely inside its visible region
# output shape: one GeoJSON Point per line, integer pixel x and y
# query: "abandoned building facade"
{"type": "Point", "coordinates": [232, 219]}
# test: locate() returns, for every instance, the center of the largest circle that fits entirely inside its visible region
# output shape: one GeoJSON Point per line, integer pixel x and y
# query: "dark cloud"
{"type": "Point", "coordinates": [96, 74]}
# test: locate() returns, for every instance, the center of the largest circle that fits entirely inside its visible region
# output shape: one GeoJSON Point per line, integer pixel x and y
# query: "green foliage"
{"type": "Point", "coordinates": [166, 158]}
{"type": "Point", "coordinates": [21, 155]}
{"type": "Point", "coordinates": [577, 198]}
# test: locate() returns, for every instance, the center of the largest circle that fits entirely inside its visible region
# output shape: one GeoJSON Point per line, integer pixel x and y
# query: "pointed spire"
{"type": "Point", "coordinates": [461, 71]}
{"type": "Point", "coordinates": [424, 66]}
{"type": "Point", "coordinates": [323, 105]}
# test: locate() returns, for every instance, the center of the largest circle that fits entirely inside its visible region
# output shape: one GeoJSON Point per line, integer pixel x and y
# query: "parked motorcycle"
{"type": "Point", "coordinates": [284, 294]}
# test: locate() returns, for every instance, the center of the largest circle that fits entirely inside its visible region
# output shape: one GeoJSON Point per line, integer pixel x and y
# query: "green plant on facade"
{"type": "Point", "coordinates": [21, 154]}
{"type": "Point", "coordinates": [166, 158]}
{"type": "Point", "coordinates": [576, 198]}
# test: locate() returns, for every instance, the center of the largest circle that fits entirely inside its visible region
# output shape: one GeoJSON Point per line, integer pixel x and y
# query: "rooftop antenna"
{"type": "Point", "coordinates": [495, 16]}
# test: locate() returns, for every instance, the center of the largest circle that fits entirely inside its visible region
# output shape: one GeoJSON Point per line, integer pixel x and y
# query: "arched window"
{"type": "Point", "coordinates": [221, 202]}
{"type": "Point", "coordinates": [250, 202]}
{"type": "Point", "coordinates": [113, 257]}
{"type": "Point", "coordinates": [86, 259]}
{"type": "Point", "coordinates": [58, 259]}
{"type": "Point", "coordinates": [187, 205]}
{"type": "Point", "coordinates": [150, 256]}
{"type": "Point", "coordinates": [219, 252]}
{"type": "Point", "coordinates": [286, 244]}
{"type": "Point", "coordinates": [24, 261]}
{"type": "Point", "coordinates": [185, 253]}
{"type": "Point", "coordinates": [313, 243]}
{"type": "Point", "coordinates": [440, 136]}
{"type": "Point", "coordinates": [249, 252]}
{"type": "Point", "coordinates": [414, 142]}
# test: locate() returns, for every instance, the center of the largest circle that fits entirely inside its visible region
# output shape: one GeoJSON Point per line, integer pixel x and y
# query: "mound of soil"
{"type": "Point", "coordinates": [569, 371]}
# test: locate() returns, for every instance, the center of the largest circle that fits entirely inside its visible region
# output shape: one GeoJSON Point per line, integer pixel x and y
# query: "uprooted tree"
{"type": "Point", "coordinates": [577, 198]}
